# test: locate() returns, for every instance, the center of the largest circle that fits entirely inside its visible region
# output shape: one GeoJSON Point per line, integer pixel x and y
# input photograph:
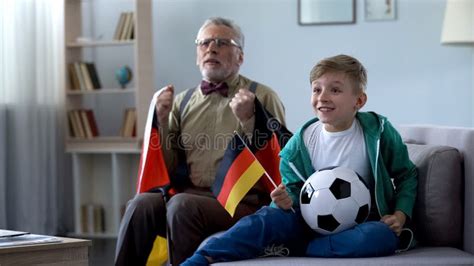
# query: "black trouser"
{"type": "Point", "coordinates": [192, 216]}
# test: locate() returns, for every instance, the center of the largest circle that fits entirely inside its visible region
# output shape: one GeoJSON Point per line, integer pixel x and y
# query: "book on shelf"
{"type": "Point", "coordinates": [125, 27]}
{"type": "Point", "coordinates": [87, 77]}
{"type": "Point", "coordinates": [79, 76]}
{"type": "Point", "coordinates": [73, 127]}
{"type": "Point", "coordinates": [129, 124]}
{"type": "Point", "coordinates": [118, 28]}
{"type": "Point", "coordinates": [91, 122]}
{"type": "Point", "coordinates": [131, 26]}
{"type": "Point", "coordinates": [82, 123]}
{"type": "Point", "coordinates": [78, 125]}
{"type": "Point", "coordinates": [83, 76]}
{"type": "Point", "coordinates": [94, 76]}
{"type": "Point", "coordinates": [92, 218]}
{"type": "Point", "coordinates": [86, 124]}
{"type": "Point", "coordinates": [73, 78]}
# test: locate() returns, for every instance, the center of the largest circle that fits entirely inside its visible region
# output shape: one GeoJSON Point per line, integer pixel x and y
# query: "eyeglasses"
{"type": "Point", "coordinates": [204, 43]}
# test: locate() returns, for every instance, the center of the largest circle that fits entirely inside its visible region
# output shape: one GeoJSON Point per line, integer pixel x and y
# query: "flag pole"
{"type": "Point", "coordinates": [265, 171]}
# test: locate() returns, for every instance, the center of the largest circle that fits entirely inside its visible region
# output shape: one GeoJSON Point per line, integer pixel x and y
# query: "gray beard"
{"type": "Point", "coordinates": [214, 75]}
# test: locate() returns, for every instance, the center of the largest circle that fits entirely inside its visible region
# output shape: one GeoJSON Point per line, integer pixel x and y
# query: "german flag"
{"type": "Point", "coordinates": [237, 174]}
{"type": "Point", "coordinates": [152, 172]}
{"type": "Point", "coordinates": [242, 166]}
{"type": "Point", "coordinates": [269, 137]}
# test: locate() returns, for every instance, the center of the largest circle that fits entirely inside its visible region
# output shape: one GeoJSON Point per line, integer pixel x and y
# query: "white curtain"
{"type": "Point", "coordinates": [31, 109]}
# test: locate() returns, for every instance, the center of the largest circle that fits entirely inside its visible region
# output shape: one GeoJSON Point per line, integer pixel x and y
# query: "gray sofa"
{"type": "Point", "coordinates": [444, 211]}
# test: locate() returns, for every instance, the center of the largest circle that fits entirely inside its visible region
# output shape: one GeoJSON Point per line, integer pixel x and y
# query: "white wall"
{"type": "Point", "coordinates": [412, 77]}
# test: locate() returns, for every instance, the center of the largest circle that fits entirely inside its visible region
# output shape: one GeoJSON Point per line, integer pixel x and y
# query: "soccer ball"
{"type": "Point", "coordinates": [334, 199]}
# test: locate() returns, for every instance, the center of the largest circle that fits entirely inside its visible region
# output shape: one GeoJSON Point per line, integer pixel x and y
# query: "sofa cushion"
{"type": "Point", "coordinates": [438, 214]}
{"type": "Point", "coordinates": [418, 256]}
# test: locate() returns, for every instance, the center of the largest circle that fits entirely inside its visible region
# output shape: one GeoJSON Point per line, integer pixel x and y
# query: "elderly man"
{"type": "Point", "coordinates": [202, 117]}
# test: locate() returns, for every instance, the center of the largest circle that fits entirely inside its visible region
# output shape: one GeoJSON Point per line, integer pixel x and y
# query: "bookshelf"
{"type": "Point", "coordinates": [99, 43]}
{"type": "Point", "coordinates": [105, 166]}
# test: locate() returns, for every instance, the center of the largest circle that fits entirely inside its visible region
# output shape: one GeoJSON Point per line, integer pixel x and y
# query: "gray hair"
{"type": "Point", "coordinates": [219, 21]}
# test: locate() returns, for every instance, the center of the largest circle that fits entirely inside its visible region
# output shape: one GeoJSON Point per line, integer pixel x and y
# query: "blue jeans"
{"type": "Point", "coordinates": [271, 226]}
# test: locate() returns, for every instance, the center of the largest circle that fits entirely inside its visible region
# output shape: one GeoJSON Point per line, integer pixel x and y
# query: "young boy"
{"type": "Point", "coordinates": [340, 136]}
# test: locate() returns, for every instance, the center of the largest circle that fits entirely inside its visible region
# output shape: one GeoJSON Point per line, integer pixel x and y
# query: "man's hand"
{"type": "Point", "coordinates": [396, 221]}
{"type": "Point", "coordinates": [164, 104]}
{"type": "Point", "coordinates": [281, 198]}
{"type": "Point", "coordinates": [242, 105]}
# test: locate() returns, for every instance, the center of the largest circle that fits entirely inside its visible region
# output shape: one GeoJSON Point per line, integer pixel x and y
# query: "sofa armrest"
{"type": "Point", "coordinates": [462, 139]}
{"type": "Point", "coordinates": [438, 213]}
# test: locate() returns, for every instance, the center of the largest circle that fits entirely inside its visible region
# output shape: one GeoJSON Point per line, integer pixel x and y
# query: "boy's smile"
{"type": "Point", "coordinates": [336, 100]}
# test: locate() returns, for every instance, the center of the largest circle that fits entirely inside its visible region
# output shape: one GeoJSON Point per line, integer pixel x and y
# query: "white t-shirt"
{"type": "Point", "coordinates": [345, 148]}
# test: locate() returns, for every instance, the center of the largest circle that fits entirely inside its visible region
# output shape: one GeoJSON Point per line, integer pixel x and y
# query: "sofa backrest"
{"type": "Point", "coordinates": [463, 140]}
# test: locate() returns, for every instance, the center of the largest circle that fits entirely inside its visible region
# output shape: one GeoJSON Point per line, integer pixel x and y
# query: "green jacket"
{"type": "Point", "coordinates": [388, 157]}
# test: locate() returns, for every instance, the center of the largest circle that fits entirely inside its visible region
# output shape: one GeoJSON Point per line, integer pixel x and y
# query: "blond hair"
{"type": "Point", "coordinates": [345, 64]}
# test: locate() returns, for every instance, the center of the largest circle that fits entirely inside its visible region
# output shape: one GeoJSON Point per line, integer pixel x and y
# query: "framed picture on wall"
{"type": "Point", "coordinates": [379, 9]}
{"type": "Point", "coordinates": [314, 12]}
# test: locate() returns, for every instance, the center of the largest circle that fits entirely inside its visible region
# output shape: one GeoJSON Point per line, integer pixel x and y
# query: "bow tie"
{"type": "Point", "coordinates": [208, 88]}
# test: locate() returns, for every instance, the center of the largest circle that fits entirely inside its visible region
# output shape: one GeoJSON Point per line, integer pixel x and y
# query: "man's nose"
{"type": "Point", "coordinates": [212, 46]}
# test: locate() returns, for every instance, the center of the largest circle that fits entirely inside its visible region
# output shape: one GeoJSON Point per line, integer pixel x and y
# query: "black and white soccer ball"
{"type": "Point", "coordinates": [334, 199]}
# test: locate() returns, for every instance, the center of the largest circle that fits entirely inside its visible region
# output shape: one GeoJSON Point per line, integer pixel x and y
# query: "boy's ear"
{"type": "Point", "coordinates": [361, 100]}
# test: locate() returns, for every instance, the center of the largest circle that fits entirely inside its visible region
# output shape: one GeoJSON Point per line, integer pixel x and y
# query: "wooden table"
{"type": "Point", "coordinates": [69, 251]}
